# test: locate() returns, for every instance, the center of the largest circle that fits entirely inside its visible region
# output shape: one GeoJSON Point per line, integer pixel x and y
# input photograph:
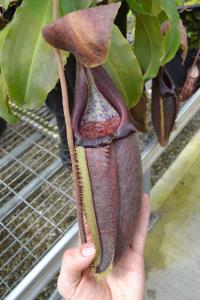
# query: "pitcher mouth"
{"type": "Point", "coordinates": [90, 130]}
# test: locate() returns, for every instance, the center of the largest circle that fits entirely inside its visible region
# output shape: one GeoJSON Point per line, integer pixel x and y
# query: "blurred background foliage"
{"type": "Point", "coordinates": [190, 2]}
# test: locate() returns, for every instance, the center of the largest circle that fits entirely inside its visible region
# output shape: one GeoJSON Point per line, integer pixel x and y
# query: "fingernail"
{"type": "Point", "coordinates": [88, 250]}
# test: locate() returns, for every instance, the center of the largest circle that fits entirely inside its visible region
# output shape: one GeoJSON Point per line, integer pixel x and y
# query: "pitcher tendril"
{"type": "Point", "coordinates": [68, 123]}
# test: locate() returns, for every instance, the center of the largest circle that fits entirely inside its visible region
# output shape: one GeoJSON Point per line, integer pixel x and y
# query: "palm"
{"type": "Point", "coordinates": [127, 278]}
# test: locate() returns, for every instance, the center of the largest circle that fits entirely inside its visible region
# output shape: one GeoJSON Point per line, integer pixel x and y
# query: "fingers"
{"type": "Point", "coordinates": [74, 262]}
{"type": "Point", "coordinates": [140, 231]}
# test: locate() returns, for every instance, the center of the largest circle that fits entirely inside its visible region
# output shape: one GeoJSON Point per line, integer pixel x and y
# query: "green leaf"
{"type": "Point", "coordinates": [150, 7]}
{"type": "Point", "coordinates": [171, 42]}
{"type": "Point", "coordinates": [3, 34]}
{"type": "Point", "coordinates": [28, 63]}
{"type": "Point", "coordinates": [67, 6]}
{"type": "Point", "coordinates": [148, 37]}
{"type": "Point", "coordinates": [148, 44]}
{"type": "Point", "coordinates": [3, 3]}
{"type": "Point", "coordinates": [124, 69]}
{"type": "Point", "coordinates": [5, 111]}
{"type": "Point", "coordinates": [153, 49]}
{"type": "Point", "coordinates": [153, 7]}
{"type": "Point", "coordinates": [137, 7]}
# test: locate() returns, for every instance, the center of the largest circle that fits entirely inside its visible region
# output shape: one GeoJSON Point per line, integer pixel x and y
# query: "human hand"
{"type": "Point", "coordinates": [126, 281]}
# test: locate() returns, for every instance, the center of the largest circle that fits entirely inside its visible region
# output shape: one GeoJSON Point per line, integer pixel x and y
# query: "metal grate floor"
{"type": "Point", "coordinates": [36, 204]}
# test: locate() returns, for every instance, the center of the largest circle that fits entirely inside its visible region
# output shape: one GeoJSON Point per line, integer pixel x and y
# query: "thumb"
{"type": "Point", "coordinates": [73, 263]}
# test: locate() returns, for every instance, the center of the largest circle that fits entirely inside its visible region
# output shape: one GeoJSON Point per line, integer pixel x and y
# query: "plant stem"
{"type": "Point", "coordinates": [65, 103]}
{"type": "Point", "coordinates": [69, 130]}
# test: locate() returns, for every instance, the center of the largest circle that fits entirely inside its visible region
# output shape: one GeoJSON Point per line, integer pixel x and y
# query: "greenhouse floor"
{"type": "Point", "coordinates": [173, 247]}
